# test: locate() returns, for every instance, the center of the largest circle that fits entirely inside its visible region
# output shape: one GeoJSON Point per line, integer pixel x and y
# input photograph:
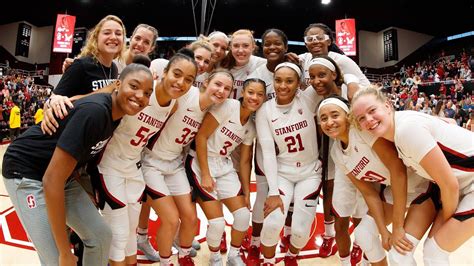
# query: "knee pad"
{"type": "Point", "coordinates": [133, 216]}
{"type": "Point", "coordinates": [262, 192]}
{"type": "Point", "coordinates": [241, 219]}
{"type": "Point", "coordinates": [214, 231]}
{"type": "Point", "coordinates": [434, 255]}
{"type": "Point", "coordinates": [271, 229]}
{"type": "Point", "coordinates": [367, 237]}
{"type": "Point", "coordinates": [397, 259]}
{"type": "Point", "coordinates": [119, 224]}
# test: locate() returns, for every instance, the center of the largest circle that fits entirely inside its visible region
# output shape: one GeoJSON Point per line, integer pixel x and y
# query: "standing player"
{"type": "Point", "coordinates": [163, 167]}
{"type": "Point", "coordinates": [240, 60]}
{"type": "Point", "coordinates": [353, 154]}
{"type": "Point", "coordinates": [121, 181]}
{"type": "Point", "coordinates": [286, 123]}
{"type": "Point", "coordinates": [40, 176]}
{"type": "Point", "coordinates": [326, 78]}
{"type": "Point", "coordinates": [220, 41]}
{"type": "Point", "coordinates": [213, 176]}
{"type": "Point", "coordinates": [275, 46]}
{"type": "Point", "coordinates": [440, 152]}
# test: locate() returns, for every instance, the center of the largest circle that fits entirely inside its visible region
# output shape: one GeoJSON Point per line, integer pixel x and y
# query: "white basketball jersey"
{"type": "Point", "coordinates": [359, 159]}
{"type": "Point", "coordinates": [294, 133]}
{"type": "Point", "coordinates": [417, 133]}
{"type": "Point", "coordinates": [199, 81]}
{"type": "Point", "coordinates": [180, 129]}
{"type": "Point", "coordinates": [230, 133]}
{"type": "Point", "coordinates": [158, 66]}
{"type": "Point", "coordinates": [122, 153]}
{"type": "Point", "coordinates": [266, 75]}
{"type": "Point", "coordinates": [241, 74]}
{"type": "Point", "coordinates": [347, 66]}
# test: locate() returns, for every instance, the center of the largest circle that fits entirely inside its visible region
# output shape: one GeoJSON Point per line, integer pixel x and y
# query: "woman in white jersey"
{"type": "Point", "coordinates": [435, 150]}
{"type": "Point", "coordinates": [327, 79]}
{"type": "Point", "coordinates": [121, 185]}
{"type": "Point", "coordinates": [354, 157]}
{"type": "Point", "coordinates": [286, 132]}
{"type": "Point", "coordinates": [275, 46]}
{"type": "Point", "coordinates": [163, 164]}
{"type": "Point", "coordinates": [220, 41]}
{"type": "Point", "coordinates": [240, 60]}
{"type": "Point", "coordinates": [203, 51]}
{"type": "Point", "coordinates": [213, 176]}
{"type": "Point", "coordinates": [319, 40]}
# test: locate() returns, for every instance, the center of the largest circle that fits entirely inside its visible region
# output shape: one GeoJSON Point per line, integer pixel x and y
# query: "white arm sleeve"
{"type": "Point", "coordinates": [265, 138]}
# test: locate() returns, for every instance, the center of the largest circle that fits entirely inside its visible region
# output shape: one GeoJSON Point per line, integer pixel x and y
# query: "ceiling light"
{"type": "Point", "coordinates": [325, 2]}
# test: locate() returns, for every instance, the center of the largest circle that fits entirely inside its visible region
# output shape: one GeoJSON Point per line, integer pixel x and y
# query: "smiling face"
{"type": "Point", "coordinates": [322, 79]}
{"type": "Point", "coordinates": [218, 88]}
{"type": "Point", "coordinates": [242, 47]}
{"type": "Point", "coordinates": [373, 115]}
{"type": "Point", "coordinates": [286, 82]}
{"type": "Point", "coordinates": [202, 56]}
{"type": "Point", "coordinates": [334, 121]}
{"type": "Point", "coordinates": [135, 91]}
{"type": "Point", "coordinates": [179, 77]}
{"type": "Point", "coordinates": [142, 42]}
{"type": "Point", "coordinates": [220, 47]}
{"type": "Point", "coordinates": [253, 96]}
{"type": "Point", "coordinates": [317, 47]}
{"type": "Point", "coordinates": [110, 39]}
{"type": "Point", "coordinates": [274, 47]}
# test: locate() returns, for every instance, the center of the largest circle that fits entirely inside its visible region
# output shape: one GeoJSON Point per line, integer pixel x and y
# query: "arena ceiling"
{"type": "Point", "coordinates": [175, 17]}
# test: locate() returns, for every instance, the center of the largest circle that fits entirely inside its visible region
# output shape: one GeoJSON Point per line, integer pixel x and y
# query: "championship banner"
{"type": "Point", "coordinates": [64, 33]}
{"type": "Point", "coordinates": [346, 36]}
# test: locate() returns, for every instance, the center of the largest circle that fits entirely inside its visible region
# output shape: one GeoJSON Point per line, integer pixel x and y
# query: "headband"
{"type": "Point", "coordinates": [290, 65]}
{"type": "Point", "coordinates": [218, 34]}
{"type": "Point", "coordinates": [323, 62]}
{"type": "Point", "coordinates": [333, 101]}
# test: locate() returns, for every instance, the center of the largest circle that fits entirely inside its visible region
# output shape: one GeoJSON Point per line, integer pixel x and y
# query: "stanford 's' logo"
{"type": "Point", "coordinates": [30, 201]}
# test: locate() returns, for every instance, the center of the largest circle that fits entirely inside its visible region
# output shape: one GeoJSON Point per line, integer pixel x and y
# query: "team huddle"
{"type": "Point", "coordinates": [168, 134]}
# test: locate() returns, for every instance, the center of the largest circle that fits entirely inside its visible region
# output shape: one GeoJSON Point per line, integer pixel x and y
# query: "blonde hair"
{"type": "Point", "coordinates": [364, 91]}
{"type": "Point", "coordinates": [229, 60]}
{"type": "Point", "coordinates": [201, 42]}
{"type": "Point", "coordinates": [91, 46]}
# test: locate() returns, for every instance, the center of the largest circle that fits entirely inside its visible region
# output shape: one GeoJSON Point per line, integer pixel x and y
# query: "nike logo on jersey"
{"type": "Point", "coordinates": [231, 122]}
{"type": "Point", "coordinates": [309, 206]}
{"type": "Point", "coordinates": [190, 110]}
{"type": "Point", "coordinates": [273, 120]}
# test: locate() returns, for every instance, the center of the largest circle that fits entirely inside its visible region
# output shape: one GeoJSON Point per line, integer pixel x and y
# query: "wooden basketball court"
{"type": "Point", "coordinates": [15, 249]}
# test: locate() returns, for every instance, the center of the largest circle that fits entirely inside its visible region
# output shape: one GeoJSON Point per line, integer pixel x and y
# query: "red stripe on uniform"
{"type": "Point", "coordinates": [444, 148]}
{"type": "Point", "coordinates": [470, 212]}
{"type": "Point", "coordinates": [203, 191]}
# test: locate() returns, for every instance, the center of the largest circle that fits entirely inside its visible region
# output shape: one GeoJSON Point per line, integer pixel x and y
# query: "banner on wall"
{"type": "Point", "coordinates": [64, 33]}
{"type": "Point", "coordinates": [346, 36]}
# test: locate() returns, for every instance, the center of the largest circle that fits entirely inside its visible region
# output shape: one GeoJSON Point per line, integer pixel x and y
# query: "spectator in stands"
{"type": "Point", "coordinates": [39, 114]}
{"type": "Point", "coordinates": [465, 72]}
{"type": "Point", "coordinates": [15, 121]}
{"type": "Point", "coordinates": [426, 108]}
{"type": "Point", "coordinates": [448, 111]}
{"type": "Point", "coordinates": [442, 89]}
{"type": "Point", "coordinates": [439, 109]}
{"type": "Point", "coordinates": [470, 122]}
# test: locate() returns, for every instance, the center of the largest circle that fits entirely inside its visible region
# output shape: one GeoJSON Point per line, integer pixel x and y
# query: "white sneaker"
{"type": "Point", "coordinates": [148, 250]}
{"type": "Point", "coordinates": [175, 249]}
{"type": "Point", "coordinates": [216, 261]}
{"type": "Point", "coordinates": [235, 261]}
